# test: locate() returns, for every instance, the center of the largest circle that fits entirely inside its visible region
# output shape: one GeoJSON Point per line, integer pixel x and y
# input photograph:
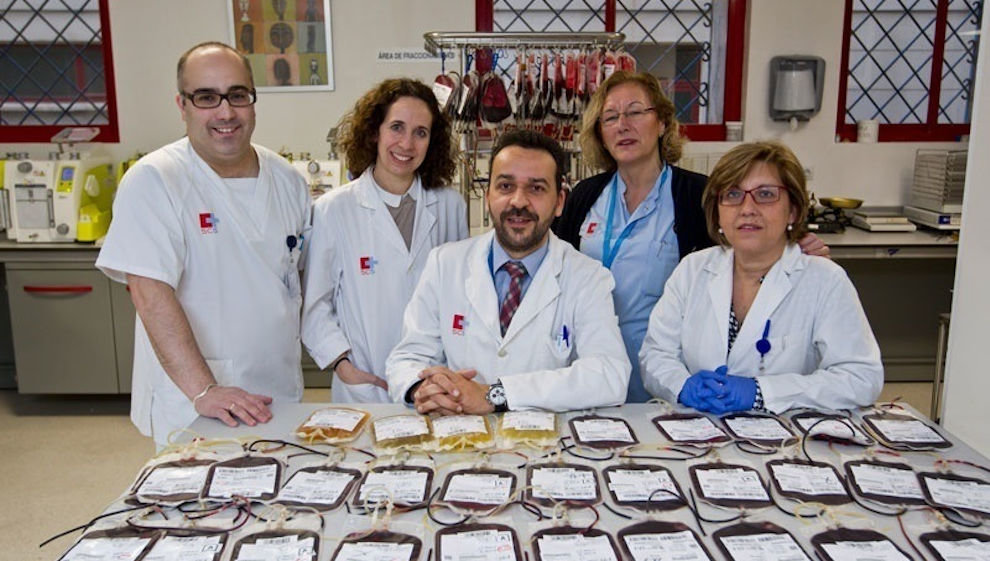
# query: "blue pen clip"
{"type": "Point", "coordinates": [565, 335]}
{"type": "Point", "coordinates": [763, 345]}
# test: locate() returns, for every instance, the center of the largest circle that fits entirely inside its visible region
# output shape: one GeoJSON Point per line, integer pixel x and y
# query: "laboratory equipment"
{"type": "Point", "coordinates": [882, 219]}
{"type": "Point", "coordinates": [28, 186]}
{"type": "Point", "coordinates": [933, 219]}
{"type": "Point", "coordinates": [83, 200]}
{"type": "Point", "coordinates": [322, 175]}
{"type": "Point", "coordinates": [59, 200]}
{"type": "Point", "coordinates": [939, 178]}
{"type": "Point", "coordinates": [829, 217]}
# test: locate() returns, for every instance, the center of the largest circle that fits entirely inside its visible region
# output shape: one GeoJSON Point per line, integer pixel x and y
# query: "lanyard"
{"type": "Point", "coordinates": [609, 253]}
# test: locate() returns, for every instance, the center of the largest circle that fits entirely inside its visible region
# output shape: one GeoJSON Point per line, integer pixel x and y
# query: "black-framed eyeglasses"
{"type": "Point", "coordinates": [762, 195]}
{"type": "Point", "coordinates": [236, 97]}
{"type": "Point", "coordinates": [611, 118]}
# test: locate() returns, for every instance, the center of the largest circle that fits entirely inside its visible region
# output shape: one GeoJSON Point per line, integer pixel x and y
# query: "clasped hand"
{"type": "Point", "coordinates": [447, 392]}
{"type": "Point", "coordinates": [718, 391]}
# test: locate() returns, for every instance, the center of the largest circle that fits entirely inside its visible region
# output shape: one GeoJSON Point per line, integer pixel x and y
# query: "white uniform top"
{"type": "Point", "coordinates": [822, 351]}
{"type": "Point", "coordinates": [359, 274]}
{"type": "Point", "coordinates": [176, 221]}
{"type": "Point", "coordinates": [562, 351]}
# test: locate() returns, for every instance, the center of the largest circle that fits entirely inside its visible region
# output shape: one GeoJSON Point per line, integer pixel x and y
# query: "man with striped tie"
{"type": "Point", "coordinates": [515, 318]}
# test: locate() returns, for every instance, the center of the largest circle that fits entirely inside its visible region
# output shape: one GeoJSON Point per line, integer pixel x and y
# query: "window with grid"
{"type": "Point", "coordinates": [56, 69]}
{"type": "Point", "coordinates": [910, 65]}
{"type": "Point", "coordinates": [694, 47]}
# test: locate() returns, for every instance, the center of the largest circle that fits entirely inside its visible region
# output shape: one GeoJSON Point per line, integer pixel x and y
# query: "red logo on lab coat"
{"type": "Point", "coordinates": [458, 325]}
{"type": "Point", "coordinates": [367, 264]}
{"type": "Point", "coordinates": [208, 223]}
{"type": "Point", "coordinates": [591, 228]}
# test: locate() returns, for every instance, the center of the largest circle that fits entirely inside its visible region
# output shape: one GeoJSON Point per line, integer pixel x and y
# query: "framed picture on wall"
{"type": "Point", "coordinates": [287, 42]}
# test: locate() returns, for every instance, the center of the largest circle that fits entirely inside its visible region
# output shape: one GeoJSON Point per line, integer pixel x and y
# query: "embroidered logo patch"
{"type": "Point", "coordinates": [592, 226]}
{"type": "Point", "coordinates": [367, 264]}
{"type": "Point", "coordinates": [208, 223]}
{"type": "Point", "coordinates": [458, 325]}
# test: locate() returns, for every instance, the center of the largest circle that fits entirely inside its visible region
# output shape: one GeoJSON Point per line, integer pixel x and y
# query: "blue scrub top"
{"type": "Point", "coordinates": [642, 264]}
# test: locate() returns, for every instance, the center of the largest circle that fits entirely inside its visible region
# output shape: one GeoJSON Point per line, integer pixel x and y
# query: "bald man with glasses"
{"type": "Point", "coordinates": [208, 234]}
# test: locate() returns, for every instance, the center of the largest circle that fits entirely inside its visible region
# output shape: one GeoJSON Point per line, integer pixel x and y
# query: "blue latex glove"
{"type": "Point", "coordinates": [701, 387]}
{"type": "Point", "coordinates": [738, 393]}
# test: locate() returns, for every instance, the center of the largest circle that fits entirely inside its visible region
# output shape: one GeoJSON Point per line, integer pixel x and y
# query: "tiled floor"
{"type": "Point", "coordinates": [62, 460]}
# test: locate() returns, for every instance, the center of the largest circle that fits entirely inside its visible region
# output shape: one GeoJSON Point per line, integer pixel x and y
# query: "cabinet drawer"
{"type": "Point", "coordinates": [63, 331]}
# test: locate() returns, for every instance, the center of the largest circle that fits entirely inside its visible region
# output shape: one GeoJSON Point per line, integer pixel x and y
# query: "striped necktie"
{"type": "Point", "coordinates": [517, 272]}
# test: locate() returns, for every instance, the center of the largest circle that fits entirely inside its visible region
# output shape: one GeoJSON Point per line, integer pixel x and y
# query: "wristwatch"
{"type": "Point", "coordinates": [496, 396]}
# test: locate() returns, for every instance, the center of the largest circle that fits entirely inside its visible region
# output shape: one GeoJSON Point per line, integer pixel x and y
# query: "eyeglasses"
{"type": "Point", "coordinates": [236, 97]}
{"type": "Point", "coordinates": [762, 195]}
{"type": "Point", "coordinates": [611, 119]}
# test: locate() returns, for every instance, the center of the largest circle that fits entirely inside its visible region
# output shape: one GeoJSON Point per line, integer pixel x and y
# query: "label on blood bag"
{"type": "Point", "coordinates": [244, 481]}
{"type": "Point", "coordinates": [906, 431]}
{"type": "Point", "coordinates": [481, 488]}
{"type": "Point", "coordinates": [642, 485]}
{"type": "Point", "coordinates": [480, 545]}
{"type": "Point", "coordinates": [960, 494]}
{"type": "Point", "coordinates": [698, 428]}
{"type": "Point", "coordinates": [764, 547]}
{"type": "Point", "coordinates": [164, 481]}
{"type": "Point", "coordinates": [673, 546]}
{"type": "Point", "coordinates": [807, 480]}
{"type": "Point", "coordinates": [887, 481]}
{"type": "Point", "coordinates": [402, 426]}
{"type": "Point", "coordinates": [402, 486]}
{"type": "Point", "coordinates": [564, 483]}
{"type": "Point", "coordinates": [594, 430]}
{"type": "Point", "coordinates": [731, 483]}
{"type": "Point", "coordinates": [864, 551]}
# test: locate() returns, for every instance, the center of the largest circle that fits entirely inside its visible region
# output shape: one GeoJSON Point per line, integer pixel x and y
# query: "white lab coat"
{"type": "Point", "coordinates": [453, 320]}
{"type": "Point", "coordinates": [823, 353]}
{"type": "Point", "coordinates": [238, 285]}
{"type": "Point", "coordinates": [350, 307]}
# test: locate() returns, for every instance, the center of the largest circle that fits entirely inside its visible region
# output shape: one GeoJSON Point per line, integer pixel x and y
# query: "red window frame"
{"type": "Point", "coordinates": [484, 20]}
{"type": "Point", "coordinates": [109, 132]}
{"type": "Point", "coordinates": [929, 131]}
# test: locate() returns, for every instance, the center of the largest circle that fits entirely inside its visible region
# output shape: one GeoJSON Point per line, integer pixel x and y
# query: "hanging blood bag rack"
{"type": "Point", "coordinates": [555, 110]}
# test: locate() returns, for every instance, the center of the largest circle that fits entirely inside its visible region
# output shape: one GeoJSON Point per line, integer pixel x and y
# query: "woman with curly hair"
{"type": "Point", "coordinates": [370, 238]}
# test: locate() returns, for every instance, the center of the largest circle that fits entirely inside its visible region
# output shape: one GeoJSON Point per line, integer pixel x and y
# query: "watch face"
{"type": "Point", "coordinates": [496, 394]}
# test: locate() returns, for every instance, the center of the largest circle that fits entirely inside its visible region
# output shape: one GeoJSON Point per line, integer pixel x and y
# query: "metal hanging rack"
{"type": "Point", "coordinates": [437, 41]}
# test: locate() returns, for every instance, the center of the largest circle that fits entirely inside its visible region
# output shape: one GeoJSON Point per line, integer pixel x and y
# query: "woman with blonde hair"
{"type": "Point", "coordinates": [643, 214]}
{"type": "Point", "coordinates": [753, 323]}
{"type": "Point", "coordinates": [370, 238]}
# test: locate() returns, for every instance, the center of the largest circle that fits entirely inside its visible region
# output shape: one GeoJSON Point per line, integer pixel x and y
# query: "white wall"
{"type": "Point", "coordinates": [879, 173]}
{"type": "Point", "coordinates": [149, 35]}
{"type": "Point", "coordinates": [967, 384]}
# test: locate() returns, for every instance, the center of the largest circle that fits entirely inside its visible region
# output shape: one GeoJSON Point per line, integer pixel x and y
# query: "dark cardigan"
{"type": "Point", "coordinates": [689, 216]}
